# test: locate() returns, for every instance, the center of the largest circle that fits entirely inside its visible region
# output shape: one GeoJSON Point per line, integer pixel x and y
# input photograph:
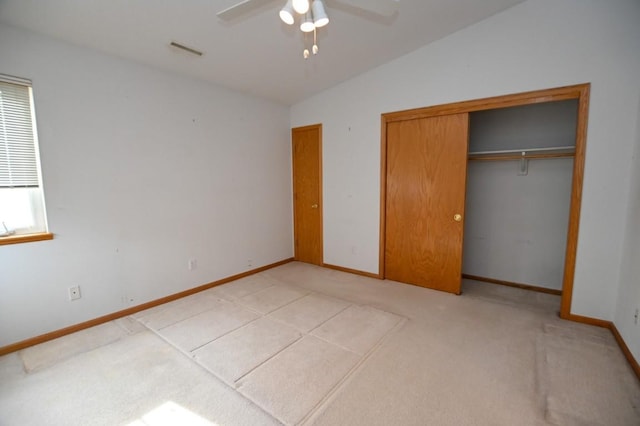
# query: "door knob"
{"type": "Point", "coordinates": [457, 217]}
{"type": "Point", "coordinates": [314, 206]}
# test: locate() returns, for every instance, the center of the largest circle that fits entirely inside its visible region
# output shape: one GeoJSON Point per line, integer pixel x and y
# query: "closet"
{"type": "Point", "coordinates": [518, 194]}
{"type": "Point", "coordinates": [519, 161]}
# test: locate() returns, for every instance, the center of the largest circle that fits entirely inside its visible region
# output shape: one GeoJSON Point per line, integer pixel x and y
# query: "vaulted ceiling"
{"type": "Point", "coordinates": [255, 54]}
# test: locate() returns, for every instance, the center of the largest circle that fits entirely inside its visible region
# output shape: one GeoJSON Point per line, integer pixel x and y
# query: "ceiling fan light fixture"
{"type": "Point", "coordinates": [301, 6]}
{"type": "Point", "coordinates": [307, 23]}
{"type": "Point", "coordinates": [320, 18]}
{"type": "Point", "coordinates": [286, 13]}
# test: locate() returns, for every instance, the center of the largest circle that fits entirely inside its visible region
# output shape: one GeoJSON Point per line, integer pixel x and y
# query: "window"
{"type": "Point", "coordinates": [22, 210]}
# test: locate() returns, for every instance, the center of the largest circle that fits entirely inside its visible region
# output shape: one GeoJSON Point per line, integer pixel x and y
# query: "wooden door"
{"type": "Point", "coordinates": [425, 194]}
{"type": "Point", "coordinates": [307, 193]}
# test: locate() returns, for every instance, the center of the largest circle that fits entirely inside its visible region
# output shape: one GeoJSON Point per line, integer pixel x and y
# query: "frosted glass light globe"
{"type": "Point", "coordinates": [301, 6]}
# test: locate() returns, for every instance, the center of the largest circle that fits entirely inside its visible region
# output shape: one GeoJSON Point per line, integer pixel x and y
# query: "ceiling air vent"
{"type": "Point", "coordinates": [185, 48]}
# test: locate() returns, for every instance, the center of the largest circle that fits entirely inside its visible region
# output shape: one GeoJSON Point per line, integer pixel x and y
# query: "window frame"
{"type": "Point", "coordinates": [25, 238]}
{"type": "Point", "coordinates": [40, 235]}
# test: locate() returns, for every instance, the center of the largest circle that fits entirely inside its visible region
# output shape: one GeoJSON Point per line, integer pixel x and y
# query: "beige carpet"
{"type": "Point", "coordinates": [562, 360]}
{"type": "Point", "coordinates": [300, 344]}
{"type": "Point", "coordinates": [283, 347]}
{"type": "Point", "coordinates": [41, 356]}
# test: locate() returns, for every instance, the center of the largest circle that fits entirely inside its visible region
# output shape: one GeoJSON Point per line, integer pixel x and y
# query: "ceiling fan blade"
{"type": "Point", "coordinates": [240, 9]}
{"type": "Point", "coordinates": [379, 7]}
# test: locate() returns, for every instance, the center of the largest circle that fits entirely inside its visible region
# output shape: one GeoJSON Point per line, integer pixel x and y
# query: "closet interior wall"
{"type": "Point", "coordinates": [517, 211]}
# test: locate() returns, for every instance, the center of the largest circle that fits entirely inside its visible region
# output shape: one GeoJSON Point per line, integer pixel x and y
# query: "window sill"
{"type": "Point", "coordinates": [17, 239]}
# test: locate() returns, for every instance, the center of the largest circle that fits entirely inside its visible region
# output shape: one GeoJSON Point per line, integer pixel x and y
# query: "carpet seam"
{"type": "Point", "coordinates": [342, 347]}
{"type": "Point", "coordinates": [222, 335]}
{"type": "Point", "coordinates": [338, 385]}
{"type": "Point", "coordinates": [363, 358]}
{"type": "Point", "coordinates": [183, 319]}
{"type": "Point", "coordinates": [303, 335]}
{"type": "Point", "coordinates": [349, 304]}
{"type": "Point", "coordinates": [279, 307]}
{"type": "Point", "coordinates": [267, 360]}
{"type": "Point", "coordinates": [261, 315]}
{"type": "Point", "coordinates": [333, 390]}
{"type": "Point", "coordinates": [231, 386]}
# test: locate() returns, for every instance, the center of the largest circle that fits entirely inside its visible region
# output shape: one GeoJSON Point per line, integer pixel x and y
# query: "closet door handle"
{"type": "Point", "coordinates": [314, 206]}
{"type": "Point", "coordinates": [457, 217]}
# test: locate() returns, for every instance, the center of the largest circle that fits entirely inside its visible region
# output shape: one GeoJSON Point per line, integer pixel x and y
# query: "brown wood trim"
{"type": "Point", "coordinates": [28, 238]}
{"type": "Point", "coordinates": [590, 321]}
{"type": "Point", "coordinates": [576, 201]}
{"type": "Point", "coordinates": [129, 311]}
{"type": "Point", "coordinates": [293, 192]}
{"type": "Point", "coordinates": [512, 284]}
{"type": "Point", "coordinates": [383, 196]}
{"type": "Point", "coordinates": [518, 157]}
{"type": "Point", "coordinates": [503, 101]}
{"type": "Point", "coordinates": [351, 271]}
{"type": "Point", "coordinates": [625, 350]}
{"type": "Point", "coordinates": [307, 127]}
{"type": "Point", "coordinates": [616, 334]}
{"type": "Point", "coordinates": [320, 193]}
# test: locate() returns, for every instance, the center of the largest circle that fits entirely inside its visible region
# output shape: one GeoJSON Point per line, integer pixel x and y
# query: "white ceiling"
{"type": "Point", "coordinates": [256, 54]}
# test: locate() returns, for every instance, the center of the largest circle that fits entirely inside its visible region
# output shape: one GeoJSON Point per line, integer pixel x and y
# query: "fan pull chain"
{"type": "Point", "coordinates": [314, 49]}
{"type": "Point", "coordinates": [305, 52]}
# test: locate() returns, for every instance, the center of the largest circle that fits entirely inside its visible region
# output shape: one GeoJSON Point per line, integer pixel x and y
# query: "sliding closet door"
{"type": "Point", "coordinates": [425, 195]}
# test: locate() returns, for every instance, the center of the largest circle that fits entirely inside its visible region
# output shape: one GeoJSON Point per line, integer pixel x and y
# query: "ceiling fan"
{"type": "Point", "coordinates": [311, 13]}
{"type": "Point", "coordinates": [384, 8]}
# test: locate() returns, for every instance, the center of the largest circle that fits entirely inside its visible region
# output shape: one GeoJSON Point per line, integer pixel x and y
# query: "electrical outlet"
{"type": "Point", "coordinates": [74, 292]}
{"type": "Point", "coordinates": [249, 263]}
{"type": "Point", "coordinates": [635, 317]}
{"type": "Point", "coordinates": [192, 264]}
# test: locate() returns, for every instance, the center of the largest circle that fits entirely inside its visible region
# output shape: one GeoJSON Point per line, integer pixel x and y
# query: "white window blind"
{"type": "Point", "coordinates": [18, 160]}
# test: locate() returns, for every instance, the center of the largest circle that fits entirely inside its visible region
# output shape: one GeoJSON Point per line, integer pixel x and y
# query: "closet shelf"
{"type": "Point", "coordinates": [526, 153]}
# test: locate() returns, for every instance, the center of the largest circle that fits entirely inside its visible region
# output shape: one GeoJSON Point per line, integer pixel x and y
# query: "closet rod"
{"type": "Point", "coordinates": [517, 151]}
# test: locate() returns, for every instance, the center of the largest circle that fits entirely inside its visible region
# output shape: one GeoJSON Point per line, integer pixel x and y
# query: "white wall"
{"type": "Point", "coordinates": [629, 293]}
{"type": "Point", "coordinates": [535, 45]}
{"type": "Point", "coordinates": [143, 170]}
{"type": "Point", "coordinates": [515, 227]}
{"type": "Point", "coordinates": [543, 125]}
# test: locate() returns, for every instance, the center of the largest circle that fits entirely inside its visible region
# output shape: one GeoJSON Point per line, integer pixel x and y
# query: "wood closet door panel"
{"type": "Point", "coordinates": [307, 193]}
{"type": "Point", "coordinates": [426, 178]}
